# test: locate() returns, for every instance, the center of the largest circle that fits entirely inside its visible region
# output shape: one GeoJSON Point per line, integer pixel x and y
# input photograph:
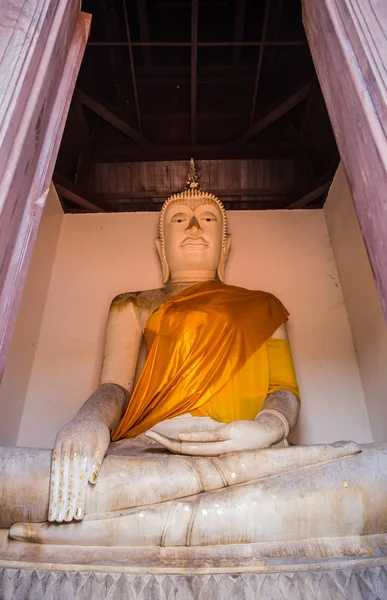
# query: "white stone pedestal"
{"type": "Point", "coordinates": [353, 568]}
{"type": "Point", "coordinates": [358, 583]}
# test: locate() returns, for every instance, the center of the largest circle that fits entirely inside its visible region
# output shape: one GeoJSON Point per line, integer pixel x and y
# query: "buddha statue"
{"type": "Point", "coordinates": [195, 453]}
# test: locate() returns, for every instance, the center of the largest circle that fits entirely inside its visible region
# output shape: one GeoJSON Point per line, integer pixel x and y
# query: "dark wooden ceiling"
{"type": "Point", "coordinates": [229, 82]}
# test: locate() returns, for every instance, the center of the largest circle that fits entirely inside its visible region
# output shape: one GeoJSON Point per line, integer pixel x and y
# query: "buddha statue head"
{"type": "Point", "coordinates": [193, 242]}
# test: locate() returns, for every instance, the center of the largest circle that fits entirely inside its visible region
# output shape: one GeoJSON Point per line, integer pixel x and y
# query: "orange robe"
{"type": "Point", "coordinates": [210, 353]}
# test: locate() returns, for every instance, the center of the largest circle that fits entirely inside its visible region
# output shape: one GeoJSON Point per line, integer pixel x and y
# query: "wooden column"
{"type": "Point", "coordinates": [348, 41]}
{"type": "Point", "coordinates": [41, 48]}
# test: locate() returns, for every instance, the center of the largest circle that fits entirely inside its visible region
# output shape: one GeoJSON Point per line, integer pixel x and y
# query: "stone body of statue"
{"type": "Point", "coordinates": [199, 454]}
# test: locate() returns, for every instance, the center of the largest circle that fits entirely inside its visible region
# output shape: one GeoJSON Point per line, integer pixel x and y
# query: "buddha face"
{"type": "Point", "coordinates": [193, 233]}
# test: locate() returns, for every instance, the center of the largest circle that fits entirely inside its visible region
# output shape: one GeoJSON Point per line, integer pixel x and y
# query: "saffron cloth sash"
{"type": "Point", "coordinates": [207, 355]}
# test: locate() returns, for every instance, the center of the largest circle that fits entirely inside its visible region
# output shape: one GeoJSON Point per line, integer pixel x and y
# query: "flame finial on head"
{"type": "Point", "coordinates": [192, 182]}
{"type": "Point", "coordinates": [192, 192]}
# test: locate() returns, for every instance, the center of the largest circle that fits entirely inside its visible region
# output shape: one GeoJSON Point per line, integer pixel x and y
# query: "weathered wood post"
{"type": "Point", "coordinates": [41, 48]}
{"type": "Point", "coordinates": [348, 42]}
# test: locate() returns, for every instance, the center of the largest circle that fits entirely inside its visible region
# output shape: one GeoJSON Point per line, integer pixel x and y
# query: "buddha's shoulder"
{"type": "Point", "coordinates": [140, 299]}
{"type": "Point", "coordinates": [260, 294]}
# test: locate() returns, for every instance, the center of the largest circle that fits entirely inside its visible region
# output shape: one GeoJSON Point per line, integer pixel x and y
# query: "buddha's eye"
{"type": "Point", "coordinates": [208, 217]}
{"type": "Point", "coordinates": [179, 218]}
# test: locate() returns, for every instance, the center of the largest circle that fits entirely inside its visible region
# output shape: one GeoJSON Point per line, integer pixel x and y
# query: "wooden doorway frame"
{"type": "Point", "coordinates": [348, 42]}
{"type": "Point", "coordinates": [41, 49]}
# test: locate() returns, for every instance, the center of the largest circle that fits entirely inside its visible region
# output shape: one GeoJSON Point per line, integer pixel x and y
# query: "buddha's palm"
{"type": "Point", "coordinates": [232, 437]}
{"type": "Point", "coordinates": [80, 447]}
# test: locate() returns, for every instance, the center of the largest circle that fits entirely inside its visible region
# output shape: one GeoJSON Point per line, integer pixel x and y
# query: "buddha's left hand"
{"type": "Point", "coordinates": [232, 437]}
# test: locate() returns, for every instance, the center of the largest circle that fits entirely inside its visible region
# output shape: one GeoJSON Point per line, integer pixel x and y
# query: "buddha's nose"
{"type": "Point", "coordinates": [193, 226]}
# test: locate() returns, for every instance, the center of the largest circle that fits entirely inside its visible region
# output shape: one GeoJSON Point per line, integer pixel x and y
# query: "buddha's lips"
{"type": "Point", "coordinates": [194, 242]}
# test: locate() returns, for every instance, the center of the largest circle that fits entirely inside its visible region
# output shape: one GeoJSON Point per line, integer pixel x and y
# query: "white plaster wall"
{"type": "Point", "coordinates": [365, 313]}
{"type": "Point", "coordinates": [21, 355]}
{"type": "Point", "coordinates": [284, 252]}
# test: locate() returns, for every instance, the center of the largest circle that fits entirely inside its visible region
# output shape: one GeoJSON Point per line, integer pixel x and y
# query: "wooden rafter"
{"type": "Point", "coordinates": [317, 190]}
{"type": "Point", "coordinates": [146, 202]}
{"type": "Point", "coordinates": [83, 166]}
{"type": "Point", "coordinates": [144, 31]}
{"type": "Point", "coordinates": [84, 135]}
{"type": "Point", "coordinates": [76, 194]}
{"type": "Point", "coordinates": [228, 202]}
{"type": "Point", "coordinates": [220, 44]}
{"type": "Point", "coordinates": [125, 153]}
{"type": "Point", "coordinates": [194, 68]}
{"type": "Point", "coordinates": [128, 196]}
{"type": "Point", "coordinates": [259, 63]}
{"type": "Point", "coordinates": [239, 23]}
{"type": "Point", "coordinates": [308, 106]}
{"type": "Point", "coordinates": [209, 71]}
{"type": "Point", "coordinates": [116, 60]}
{"type": "Point", "coordinates": [273, 115]}
{"type": "Point", "coordinates": [132, 70]}
{"type": "Point", "coordinates": [108, 115]}
{"type": "Point", "coordinates": [276, 9]}
{"type": "Point", "coordinates": [83, 170]}
{"type": "Point", "coordinates": [168, 4]}
{"type": "Point", "coordinates": [183, 116]}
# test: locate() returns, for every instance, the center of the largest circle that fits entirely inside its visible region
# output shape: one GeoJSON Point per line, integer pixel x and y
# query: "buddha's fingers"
{"type": "Point", "coordinates": [64, 473]}
{"type": "Point", "coordinates": [96, 465]}
{"type": "Point", "coordinates": [204, 448]}
{"type": "Point", "coordinates": [191, 449]}
{"type": "Point", "coordinates": [163, 440]}
{"type": "Point", "coordinates": [73, 483]}
{"type": "Point", "coordinates": [214, 435]}
{"type": "Point", "coordinates": [83, 478]}
{"type": "Point", "coordinates": [54, 483]}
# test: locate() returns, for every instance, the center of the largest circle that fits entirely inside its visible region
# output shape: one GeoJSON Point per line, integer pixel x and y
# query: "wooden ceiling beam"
{"type": "Point", "coordinates": [208, 70]}
{"type": "Point", "coordinates": [310, 99]}
{"type": "Point", "coordinates": [186, 4]}
{"type": "Point", "coordinates": [76, 194]}
{"type": "Point", "coordinates": [273, 115]}
{"type": "Point", "coordinates": [123, 153]}
{"type": "Point", "coordinates": [83, 165]}
{"type": "Point", "coordinates": [219, 80]}
{"type": "Point", "coordinates": [183, 116]}
{"type": "Point", "coordinates": [194, 68]}
{"type": "Point", "coordinates": [229, 204]}
{"type": "Point", "coordinates": [144, 31]}
{"type": "Point", "coordinates": [132, 70]}
{"type": "Point", "coordinates": [239, 25]}
{"type": "Point", "coordinates": [265, 201]}
{"type": "Point", "coordinates": [318, 189]}
{"type": "Point", "coordinates": [275, 30]}
{"type": "Point", "coordinates": [259, 62]}
{"type": "Point", "coordinates": [83, 170]}
{"type": "Point", "coordinates": [201, 44]}
{"type": "Point", "coordinates": [82, 124]}
{"type": "Point", "coordinates": [108, 115]}
{"type": "Point", "coordinates": [127, 196]}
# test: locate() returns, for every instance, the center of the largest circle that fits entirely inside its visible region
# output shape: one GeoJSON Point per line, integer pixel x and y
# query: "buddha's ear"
{"type": "Point", "coordinates": [163, 259]}
{"type": "Point", "coordinates": [223, 257]}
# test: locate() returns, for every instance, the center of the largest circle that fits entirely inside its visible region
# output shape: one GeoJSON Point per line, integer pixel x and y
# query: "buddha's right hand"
{"type": "Point", "coordinates": [80, 447]}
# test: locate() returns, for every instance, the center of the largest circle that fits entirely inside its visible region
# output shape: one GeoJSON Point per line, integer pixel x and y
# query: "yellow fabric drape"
{"type": "Point", "coordinates": [197, 343]}
{"type": "Point", "coordinates": [269, 369]}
